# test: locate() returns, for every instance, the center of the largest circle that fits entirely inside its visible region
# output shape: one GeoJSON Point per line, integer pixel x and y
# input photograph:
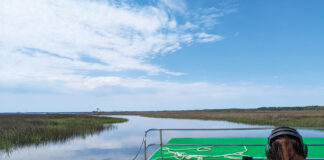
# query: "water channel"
{"type": "Point", "coordinates": [123, 141]}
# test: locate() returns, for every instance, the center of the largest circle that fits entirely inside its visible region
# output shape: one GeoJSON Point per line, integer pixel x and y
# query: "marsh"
{"type": "Point", "coordinates": [122, 142]}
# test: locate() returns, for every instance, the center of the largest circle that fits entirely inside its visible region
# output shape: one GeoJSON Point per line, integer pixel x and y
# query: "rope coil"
{"type": "Point", "coordinates": [176, 154]}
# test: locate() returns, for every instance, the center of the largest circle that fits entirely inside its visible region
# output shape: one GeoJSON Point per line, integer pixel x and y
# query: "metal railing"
{"type": "Point", "coordinates": [146, 146]}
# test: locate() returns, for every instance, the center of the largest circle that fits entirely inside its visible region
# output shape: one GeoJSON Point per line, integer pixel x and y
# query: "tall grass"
{"type": "Point", "coordinates": [18, 130]}
{"type": "Point", "coordinates": [276, 118]}
{"type": "Point", "coordinates": [308, 116]}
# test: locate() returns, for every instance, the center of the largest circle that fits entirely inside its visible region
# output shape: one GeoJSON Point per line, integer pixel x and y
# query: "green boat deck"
{"type": "Point", "coordinates": [174, 152]}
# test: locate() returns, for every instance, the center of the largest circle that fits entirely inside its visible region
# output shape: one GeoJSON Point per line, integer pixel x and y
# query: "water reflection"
{"type": "Point", "coordinates": [123, 143]}
{"type": "Point", "coordinates": [8, 149]}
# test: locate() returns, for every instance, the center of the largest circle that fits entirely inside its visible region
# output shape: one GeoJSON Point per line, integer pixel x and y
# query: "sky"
{"type": "Point", "coordinates": [121, 55]}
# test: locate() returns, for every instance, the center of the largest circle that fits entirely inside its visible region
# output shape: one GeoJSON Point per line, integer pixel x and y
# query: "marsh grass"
{"type": "Point", "coordinates": [309, 116]}
{"type": "Point", "coordinates": [276, 118]}
{"type": "Point", "coordinates": [17, 130]}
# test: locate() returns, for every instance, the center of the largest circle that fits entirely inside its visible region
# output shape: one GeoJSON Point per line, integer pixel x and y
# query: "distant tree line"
{"type": "Point", "coordinates": [292, 108]}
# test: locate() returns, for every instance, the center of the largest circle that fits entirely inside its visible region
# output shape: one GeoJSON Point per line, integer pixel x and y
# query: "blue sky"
{"type": "Point", "coordinates": [158, 55]}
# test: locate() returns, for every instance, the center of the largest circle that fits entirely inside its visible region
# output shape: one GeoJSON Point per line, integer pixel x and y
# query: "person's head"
{"type": "Point", "coordinates": [285, 143]}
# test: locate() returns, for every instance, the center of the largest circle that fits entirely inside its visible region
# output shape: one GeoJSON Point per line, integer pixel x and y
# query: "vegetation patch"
{"type": "Point", "coordinates": [309, 116]}
{"type": "Point", "coordinates": [18, 130]}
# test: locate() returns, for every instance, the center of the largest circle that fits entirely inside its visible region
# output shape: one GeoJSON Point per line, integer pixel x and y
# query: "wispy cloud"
{"type": "Point", "coordinates": [58, 40]}
{"type": "Point", "coordinates": [208, 17]}
{"type": "Point", "coordinates": [55, 47]}
{"type": "Point", "coordinates": [177, 5]}
{"type": "Point", "coordinates": [204, 37]}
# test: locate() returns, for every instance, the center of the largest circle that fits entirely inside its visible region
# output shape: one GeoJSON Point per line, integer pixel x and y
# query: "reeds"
{"type": "Point", "coordinates": [308, 116]}
{"type": "Point", "coordinates": [18, 130]}
{"type": "Point", "coordinates": [277, 118]}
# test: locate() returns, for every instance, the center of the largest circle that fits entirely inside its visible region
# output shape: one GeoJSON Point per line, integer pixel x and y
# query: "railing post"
{"type": "Point", "coordinates": [161, 144]}
{"type": "Point", "coordinates": [145, 152]}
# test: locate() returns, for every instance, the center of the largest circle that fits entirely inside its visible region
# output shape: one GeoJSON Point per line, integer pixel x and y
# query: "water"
{"type": "Point", "coordinates": [123, 142]}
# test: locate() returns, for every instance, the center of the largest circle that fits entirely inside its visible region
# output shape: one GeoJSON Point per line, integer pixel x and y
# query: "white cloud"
{"type": "Point", "coordinates": [209, 16]}
{"type": "Point", "coordinates": [62, 40]}
{"type": "Point", "coordinates": [121, 37]}
{"type": "Point", "coordinates": [189, 25]}
{"type": "Point", "coordinates": [50, 48]}
{"type": "Point", "coordinates": [177, 5]}
{"type": "Point", "coordinates": [204, 37]}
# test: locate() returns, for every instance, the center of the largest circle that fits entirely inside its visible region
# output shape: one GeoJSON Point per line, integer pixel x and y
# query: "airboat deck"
{"type": "Point", "coordinates": [220, 148]}
{"type": "Point", "coordinates": [225, 148]}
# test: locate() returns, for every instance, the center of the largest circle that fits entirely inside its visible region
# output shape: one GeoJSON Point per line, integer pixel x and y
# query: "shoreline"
{"type": "Point", "coordinates": [309, 116]}
{"type": "Point", "coordinates": [18, 130]}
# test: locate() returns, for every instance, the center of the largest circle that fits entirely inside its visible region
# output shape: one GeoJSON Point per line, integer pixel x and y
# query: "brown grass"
{"type": "Point", "coordinates": [312, 116]}
{"type": "Point", "coordinates": [276, 118]}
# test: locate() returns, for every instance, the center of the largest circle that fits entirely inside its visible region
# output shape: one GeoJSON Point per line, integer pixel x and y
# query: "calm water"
{"type": "Point", "coordinates": [123, 142]}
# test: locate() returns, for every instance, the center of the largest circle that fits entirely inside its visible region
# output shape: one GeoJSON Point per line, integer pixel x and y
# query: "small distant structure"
{"type": "Point", "coordinates": [98, 110]}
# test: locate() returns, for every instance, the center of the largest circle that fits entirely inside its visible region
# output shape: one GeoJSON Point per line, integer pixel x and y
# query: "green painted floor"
{"type": "Point", "coordinates": [225, 152]}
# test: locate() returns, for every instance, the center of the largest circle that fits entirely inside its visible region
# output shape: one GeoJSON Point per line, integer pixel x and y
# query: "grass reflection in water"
{"type": "Point", "coordinates": [18, 130]}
